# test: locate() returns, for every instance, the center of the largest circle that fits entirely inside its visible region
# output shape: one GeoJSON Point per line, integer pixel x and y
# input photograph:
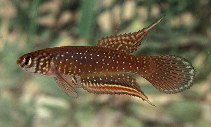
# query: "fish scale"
{"type": "Point", "coordinates": [91, 60]}
{"type": "Point", "coordinates": [107, 68]}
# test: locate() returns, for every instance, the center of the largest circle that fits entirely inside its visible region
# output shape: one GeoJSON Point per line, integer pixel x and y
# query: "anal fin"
{"type": "Point", "coordinates": [113, 84]}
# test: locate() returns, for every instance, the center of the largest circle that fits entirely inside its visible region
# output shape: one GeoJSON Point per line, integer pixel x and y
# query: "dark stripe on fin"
{"type": "Point", "coordinates": [121, 79]}
{"type": "Point", "coordinates": [114, 89]}
{"type": "Point", "coordinates": [113, 84]}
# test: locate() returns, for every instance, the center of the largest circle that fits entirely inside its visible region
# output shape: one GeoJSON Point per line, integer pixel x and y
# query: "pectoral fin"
{"type": "Point", "coordinates": [67, 87]}
{"type": "Point", "coordinates": [67, 83]}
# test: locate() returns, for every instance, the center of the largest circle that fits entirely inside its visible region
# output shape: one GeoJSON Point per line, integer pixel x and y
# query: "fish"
{"type": "Point", "coordinates": [109, 67]}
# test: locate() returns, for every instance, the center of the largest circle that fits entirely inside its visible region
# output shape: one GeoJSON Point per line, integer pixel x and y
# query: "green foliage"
{"type": "Point", "coordinates": [186, 111]}
{"type": "Point", "coordinates": [202, 124]}
{"type": "Point", "coordinates": [8, 58]}
{"type": "Point", "coordinates": [87, 18]}
{"type": "Point", "coordinates": [15, 114]}
{"type": "Point", "coordinates": [130, 122]}
{"type": "Point", "coordinates": [26, 16]}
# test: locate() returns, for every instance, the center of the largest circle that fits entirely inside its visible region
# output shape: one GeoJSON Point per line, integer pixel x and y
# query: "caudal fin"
{"type": "Point", "coordinates": [169, 74]}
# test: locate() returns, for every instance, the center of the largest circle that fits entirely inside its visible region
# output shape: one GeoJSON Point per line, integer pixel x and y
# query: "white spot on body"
{"type": "Point", "coordinates": [41, 63]}
{"type": "Point", "coordinates": [192, 72]}
{"type": "Point", "coordinates": [42, 59]}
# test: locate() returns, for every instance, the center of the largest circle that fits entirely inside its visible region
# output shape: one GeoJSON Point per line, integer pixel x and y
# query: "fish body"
{"type": "Point", "coordinates": [85, 60]}
{"type": "Point", "coordinates": [108, 67]}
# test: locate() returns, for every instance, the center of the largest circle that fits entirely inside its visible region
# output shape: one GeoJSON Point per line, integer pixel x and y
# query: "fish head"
{"type": "Point", "coordinates": [35, 62]}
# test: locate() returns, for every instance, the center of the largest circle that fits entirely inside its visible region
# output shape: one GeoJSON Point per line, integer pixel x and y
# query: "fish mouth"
{"type": "Point", "coordinates": [20, 62]}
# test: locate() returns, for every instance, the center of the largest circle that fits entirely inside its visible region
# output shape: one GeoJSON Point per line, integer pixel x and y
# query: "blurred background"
{"type": "Point", "coordinates": [28, 100]}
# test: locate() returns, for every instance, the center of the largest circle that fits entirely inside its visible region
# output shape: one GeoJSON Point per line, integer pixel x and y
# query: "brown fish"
{"type": "Point", "coordinates": [107, 67]}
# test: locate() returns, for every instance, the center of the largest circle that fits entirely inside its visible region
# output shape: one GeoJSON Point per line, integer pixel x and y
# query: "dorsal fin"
{"type": "Point", "coordinates": [128, 42]}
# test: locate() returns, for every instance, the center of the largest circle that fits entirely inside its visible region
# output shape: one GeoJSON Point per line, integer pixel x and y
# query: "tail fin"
{"type": "Point", "coordinates": [169, 74]}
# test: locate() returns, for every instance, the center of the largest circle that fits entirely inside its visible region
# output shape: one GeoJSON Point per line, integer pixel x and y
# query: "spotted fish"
{"type": "Point", "coordinates": [108, 67]}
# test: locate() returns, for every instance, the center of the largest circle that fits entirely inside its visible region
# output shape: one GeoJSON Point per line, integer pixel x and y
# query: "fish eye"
{"type": "Point", "coordinates": [27, 60]}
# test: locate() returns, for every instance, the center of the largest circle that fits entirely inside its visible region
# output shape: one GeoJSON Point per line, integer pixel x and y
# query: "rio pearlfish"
{"type": "Point", "coordinates": [108, 67]}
